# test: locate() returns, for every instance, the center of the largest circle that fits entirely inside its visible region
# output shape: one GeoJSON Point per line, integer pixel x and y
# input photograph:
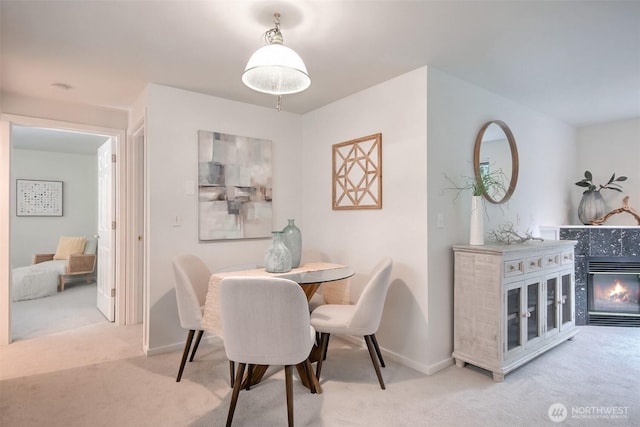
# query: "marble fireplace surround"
{"type": "Point", "coordinates": [597, 241]}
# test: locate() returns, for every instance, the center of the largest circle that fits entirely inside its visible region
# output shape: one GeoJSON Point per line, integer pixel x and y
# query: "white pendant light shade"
{"type": "Point", "coordinates": [277, 70]}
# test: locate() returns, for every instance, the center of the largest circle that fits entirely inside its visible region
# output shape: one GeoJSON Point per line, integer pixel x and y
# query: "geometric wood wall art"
{"type": "Point", "coordinates": [38, 198]}
{"type": "Point", "coordinates": [357, 173]}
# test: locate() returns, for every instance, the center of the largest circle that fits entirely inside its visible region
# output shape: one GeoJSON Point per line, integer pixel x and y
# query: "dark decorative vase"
{"type": "Point", "coordinates": [293, 241]}
{"type": "Point", "coordinates": [277, 258]}
{"type": "Point", "coordinates": [591, 207]}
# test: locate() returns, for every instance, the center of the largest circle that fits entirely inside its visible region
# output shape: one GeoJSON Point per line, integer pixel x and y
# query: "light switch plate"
{"type": "Point", "coordinates": [190, 188]}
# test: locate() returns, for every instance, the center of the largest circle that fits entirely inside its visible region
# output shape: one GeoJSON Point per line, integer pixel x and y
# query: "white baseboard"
{"type": "Point", "coordinates": [425, 369]}
{"type": "Point", "coordinates": [208, 339]}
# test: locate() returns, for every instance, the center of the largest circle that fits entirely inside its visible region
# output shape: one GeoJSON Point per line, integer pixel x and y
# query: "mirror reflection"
{"type": "Point", "coordinates": [496, 155]}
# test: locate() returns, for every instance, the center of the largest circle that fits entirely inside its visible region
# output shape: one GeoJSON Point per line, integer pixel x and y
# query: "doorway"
{"type": "Point", "coordinates": [69, 160]}
{"type": "Point", "coordinates": [117, 270]}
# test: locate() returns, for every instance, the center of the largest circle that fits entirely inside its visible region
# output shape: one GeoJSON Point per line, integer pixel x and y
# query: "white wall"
{"type": "Point", "coordinates": [605, 149]}
{"type": "Point", "coordinates": [546, 147]}
{"type": "Point", "coordinates": [173, 118]}
{"type": "Point", "coordinates": [30, 235]}
{"type": "Point", "coordinates": [360, 238]}
{"type": "Point", "coordinates": [63, 111]}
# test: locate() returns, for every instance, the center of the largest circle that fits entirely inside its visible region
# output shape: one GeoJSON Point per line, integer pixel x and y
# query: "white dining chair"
{"type": "Point", "coordinates": [361, 319]}
{"type": "Point", "coordinates": [191, 283]}
{"type": "Point", "coordinates": [265, 321]}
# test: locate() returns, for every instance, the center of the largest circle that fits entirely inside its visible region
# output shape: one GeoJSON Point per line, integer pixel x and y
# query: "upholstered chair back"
{"type": "Point", "coordinates": [368, 311]}
{"type": "Point", "coordinates": [191, 282]}
{"type": "Point", "coordinates": [265, 321]}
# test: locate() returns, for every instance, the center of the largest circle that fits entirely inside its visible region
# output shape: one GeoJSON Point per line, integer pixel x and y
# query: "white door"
{"type": "Point", "coordinates": [106, 232]}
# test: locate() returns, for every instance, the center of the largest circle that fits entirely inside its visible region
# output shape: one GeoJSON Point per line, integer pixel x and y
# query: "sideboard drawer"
{"type": "Point", "coordinates": [567, 257]}
{"type": "Point", "coordinates": [551, 260]}
{"type": "Point", "coordinates": [513, 267]}
{"type": "Point", "coordinates": [534, 263]}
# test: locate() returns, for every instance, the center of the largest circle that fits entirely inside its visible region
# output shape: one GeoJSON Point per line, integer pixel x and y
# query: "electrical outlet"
{"type": "Point", "coordinates": [177, 221]}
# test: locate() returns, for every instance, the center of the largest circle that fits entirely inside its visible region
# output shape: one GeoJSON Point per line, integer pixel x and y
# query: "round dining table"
{"type": "Point", "coordinates": [309, 276]}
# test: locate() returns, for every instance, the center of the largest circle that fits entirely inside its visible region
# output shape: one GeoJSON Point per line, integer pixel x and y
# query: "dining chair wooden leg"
{"type": "Point", "coordinates": [195, 346]}
{"type": "Point", "coordinates": [236, 391]}
{"type": "Point", "coordinates": [249, 376]}
{"type": "Point", "coordinates": [324, 343]}
{"type": "Point", "coordinates": [375, 344]}
{"type": "Point", "coordinates": [324, 351]}
{"type": "Point", "coordinates": [232, 372]}
{"type": "Point", "coordinates": [185, 353]}
{"type": "Point", "coordinates": [288, 378]}
{"type": "Point", "coordinates": [370, 346]}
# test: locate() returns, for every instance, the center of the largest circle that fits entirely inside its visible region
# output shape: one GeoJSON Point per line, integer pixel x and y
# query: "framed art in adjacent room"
{"type": "Point", "coordinates": [38, 198]}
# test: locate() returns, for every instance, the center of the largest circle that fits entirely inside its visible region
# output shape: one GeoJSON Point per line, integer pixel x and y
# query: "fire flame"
{"type": "Point", "coordinates": [619, 293]}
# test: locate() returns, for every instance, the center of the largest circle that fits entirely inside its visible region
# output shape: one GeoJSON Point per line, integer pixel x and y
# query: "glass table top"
{"type": "Point", "coordinates": [319, 276]}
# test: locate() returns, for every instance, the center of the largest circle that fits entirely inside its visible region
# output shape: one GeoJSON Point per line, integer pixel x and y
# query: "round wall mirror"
{"type": "Point", "coordinates": [495, 156]}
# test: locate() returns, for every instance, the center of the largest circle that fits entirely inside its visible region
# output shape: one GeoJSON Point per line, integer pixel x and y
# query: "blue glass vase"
{"type": "Point", "coordinates": [277, 258]}
{"type": "Point", "coordinates": [293, 241]}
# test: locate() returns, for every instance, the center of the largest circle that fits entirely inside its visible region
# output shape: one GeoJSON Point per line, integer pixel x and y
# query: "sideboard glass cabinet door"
{"type": "Point", "coordinates": [524, 320]}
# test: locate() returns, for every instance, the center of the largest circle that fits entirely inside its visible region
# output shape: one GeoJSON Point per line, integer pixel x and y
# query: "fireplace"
{"type": "Point", "coordinates": [613, 291]}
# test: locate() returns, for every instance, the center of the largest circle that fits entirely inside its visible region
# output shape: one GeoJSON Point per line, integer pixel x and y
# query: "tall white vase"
{"type": "Point", "coordinates": [476, 232]}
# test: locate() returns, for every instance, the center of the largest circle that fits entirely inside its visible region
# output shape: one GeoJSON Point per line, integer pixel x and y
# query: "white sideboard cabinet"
{"type": "Point", "coordinates": [512, 302]}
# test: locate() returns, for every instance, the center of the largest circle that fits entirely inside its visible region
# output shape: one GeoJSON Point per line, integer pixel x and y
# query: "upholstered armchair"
{"type": "Point", "coordinates": [78, 254]}
{"type": "Point", "coordinates": [74, 256]}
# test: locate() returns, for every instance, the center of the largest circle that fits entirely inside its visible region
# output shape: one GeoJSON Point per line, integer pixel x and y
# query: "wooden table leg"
{"type": "Point", "coordinates": [256, 376]}
{"type": "Point", "coordinates": [313, 378]}
{"type": "Point", "coordinates": [310, 289]}
{"type": "Point", "coordinates": [308, 377]}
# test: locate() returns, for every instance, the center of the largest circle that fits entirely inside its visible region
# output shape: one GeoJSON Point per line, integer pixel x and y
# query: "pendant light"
{"type": "Point", "coordinates": [276, 69]}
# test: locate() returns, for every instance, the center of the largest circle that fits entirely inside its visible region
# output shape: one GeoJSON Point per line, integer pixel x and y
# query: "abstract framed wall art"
{"type": "Point", "coordinates": [38, 198]}
{"type": "Point", "coordinates": [234, 187]}
{"type": "Point", "coordinates": [357, 173]}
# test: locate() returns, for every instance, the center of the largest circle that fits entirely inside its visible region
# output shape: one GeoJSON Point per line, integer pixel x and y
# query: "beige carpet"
{"type": "Point", "coordinates": [97, 376]}
{"type": "Point", "coordinates": [70, 309]}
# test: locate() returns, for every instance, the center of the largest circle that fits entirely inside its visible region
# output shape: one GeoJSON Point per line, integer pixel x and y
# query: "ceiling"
{"type": "Point", "coordinates": [578, 61]}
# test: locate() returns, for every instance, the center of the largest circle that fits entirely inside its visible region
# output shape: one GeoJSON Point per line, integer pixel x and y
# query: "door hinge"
{"type": "Point", "coordinates": [113, 225]}
{"type": "Point", "coordinates": [113, 293]}
{"type": "Point", "coordinates": [113, 158]}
